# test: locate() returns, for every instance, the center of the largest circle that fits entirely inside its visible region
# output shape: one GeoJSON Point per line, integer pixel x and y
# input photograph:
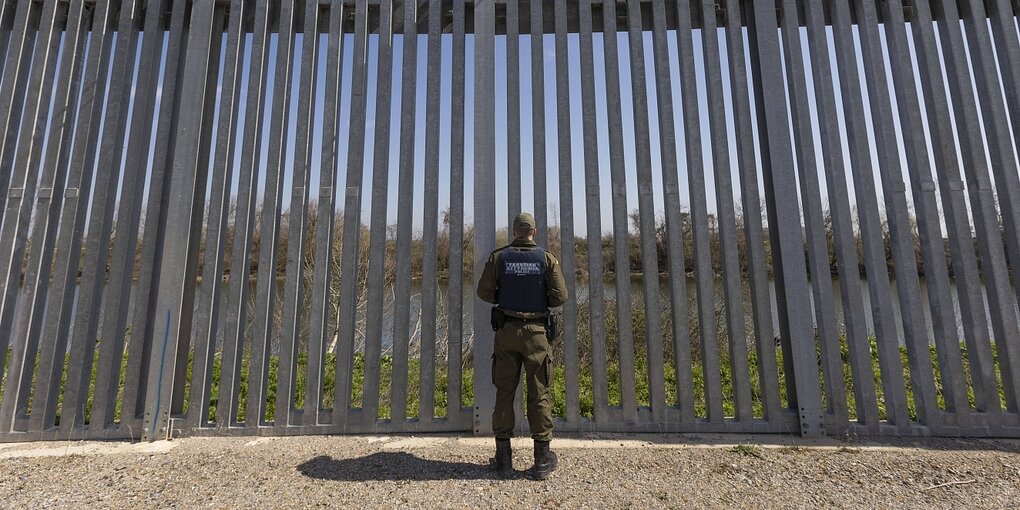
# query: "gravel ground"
{"type": "Point", "coordinates": [449, 472]}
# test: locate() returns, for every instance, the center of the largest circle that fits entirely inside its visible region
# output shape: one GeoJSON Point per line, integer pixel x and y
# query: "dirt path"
{"type": "Point", "coordinates": [449, 472]}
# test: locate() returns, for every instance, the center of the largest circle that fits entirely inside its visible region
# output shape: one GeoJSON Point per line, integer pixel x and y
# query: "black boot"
{"type": "Point", "coordinates": [545, 461]}
{"type": "Point", "coordinates": [504, 460]}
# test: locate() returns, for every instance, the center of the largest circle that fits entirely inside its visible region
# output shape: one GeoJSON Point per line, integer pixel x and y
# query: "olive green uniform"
{"type": "Point", "coordinates": [522, 341]}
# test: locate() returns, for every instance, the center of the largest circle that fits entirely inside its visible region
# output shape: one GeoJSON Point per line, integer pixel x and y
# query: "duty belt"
{"type": "Point", "coordinates": [538, 320]}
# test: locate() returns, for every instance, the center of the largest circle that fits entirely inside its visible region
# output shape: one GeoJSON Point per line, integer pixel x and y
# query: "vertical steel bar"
{"type": "Point", "coordinates": [21, 157]}
{"type": "Point", "coordinates": [265, 297]}
{"type": "Point", "coordinates": [847, 263]}
{"type": "Point", "coordinates": [294, 287]}
{"type": "Point", "coordinates": [761, 303]}
{"type": "Point", "coordinates": [817, 249]}
{"type": "Point", "coordinates": [144, 320]}
{"type": "Point", "coordinates": [427, 340]}
{"type": "Point", "coordinates": [674, 229]}
{"type": "Point", "coordinates": [727, 213]}
{"type": "Point", "coordinates": [936, 272]}
{"type": "Point", "coordinates": [484, 184]}
{"type": "Point", "coordinates": [455, 292]}
{"type": "Point", "coordinates": [72, 218]}
{"type": "Point", "coordinates": [1006, 37]}
{"type": "Point", "coordinates": [47, 206]}
{"type": "Point", "coordinates": [7, 9]}
{"type": "Point", "coordinates": [297, 228]}
{"type": "Point", "coordinates": [115, 307]}
{"type": "Point", "coordinates": [513, 111]}
{"type": "Point", "coordinates": [922, 380]}
{"type": "Point", "coordinates": [879, 288]}
{"type": "Point", "coordinates": [202, 356]}
{"type": "Point", "coordinates": [704, 274]}
{"type": "Point", "coordinates": [1007, 180]}
{"type": "Point", "coordinates": [14, 235]}
{"type": "Point", "coordinates": [522, 424]}
{"type": "Point", "coordinates": [593, 217]}
{"type": "Point", "coordinates": [781, 341]}
{"type": "Point", "coordinates": [1004, 32]}
{"type": "Point", "coordinates": [95, 265]}
{"type": "Point", "coordinates": [12, 90]}
{"type": "Point", "coordinates": [405, 213]}
{"type": "Point", "coordinates": [211, 291]}
{"type": "Point", "coordinates": [646, 212]}
{"type": "Point", "coordinates": [958, 227]}
{"type": "Point", "coordinates": [764, 161]}
{"type": "Point", "coordinates": [624, 314]}
{"type": "Point", "coordinates": [175, 297]}
{"type": "Point", "coordinates": [325, 219]}
{"type": "Point", "coordinates": [377, 240]}
{"type": "Point", "coordinates": [228, 401]}
{"type": "Point", "coordinates": [983, 208]}
{"type": "Point", "coordinates": [538, 114]}
{"type": "Point", "coordinates": [566, 207]}
{"type": "Point", "coordinates": [205, 155]}
{"type": "Point", "coordinates": [350, 267]}
{"type": "Point", "coordinates": [784, 215]}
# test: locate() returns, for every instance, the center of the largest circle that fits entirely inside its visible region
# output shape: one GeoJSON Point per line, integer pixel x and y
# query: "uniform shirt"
{"type": "Point", "coordinates": [556, 287]}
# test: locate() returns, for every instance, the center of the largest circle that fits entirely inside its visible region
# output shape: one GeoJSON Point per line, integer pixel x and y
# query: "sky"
{"type": "Point", "coordinates": [523, 74]}
{"type": "Point", "coordinates": [526, 136]}
{"type": "Point", "coordinates": [527, 139]}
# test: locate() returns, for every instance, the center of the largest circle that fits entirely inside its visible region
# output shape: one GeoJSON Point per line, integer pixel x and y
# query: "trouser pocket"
{"type": "Point", "coordinates": [505, 372]}
{"type": "Point", "coordinates": [544, 374]}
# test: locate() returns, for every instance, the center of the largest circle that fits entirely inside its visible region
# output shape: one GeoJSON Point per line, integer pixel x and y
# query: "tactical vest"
{"type": "Point", "coordinates": [522, 280]}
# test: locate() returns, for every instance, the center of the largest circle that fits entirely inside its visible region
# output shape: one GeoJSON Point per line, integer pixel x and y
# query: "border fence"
{"type": "Point", "coordinates": [819, 202]}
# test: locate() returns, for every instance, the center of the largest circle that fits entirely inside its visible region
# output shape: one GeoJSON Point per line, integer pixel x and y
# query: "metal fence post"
{"type": "Point", "coordinates": [484, 193]}
{"type": "Point", "coordinates": [175, 298]}
{"type": "Point", "coordinates": [795, 323]}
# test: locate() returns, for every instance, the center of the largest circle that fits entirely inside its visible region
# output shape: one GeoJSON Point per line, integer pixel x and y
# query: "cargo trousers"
{"type": "Point", "coordinates": [522, 344]}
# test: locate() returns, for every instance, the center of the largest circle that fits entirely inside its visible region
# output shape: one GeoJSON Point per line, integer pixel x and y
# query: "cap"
{"type": "Point", "coordinates": [524, 220]}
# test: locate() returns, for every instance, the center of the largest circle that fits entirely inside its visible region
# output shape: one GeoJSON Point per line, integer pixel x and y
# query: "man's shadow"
{"type": "Point", "coordinates": [393, 466]}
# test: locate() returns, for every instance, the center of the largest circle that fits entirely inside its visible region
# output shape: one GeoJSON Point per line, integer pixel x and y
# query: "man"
{"type": "Point", "coordinates": [523, 280]}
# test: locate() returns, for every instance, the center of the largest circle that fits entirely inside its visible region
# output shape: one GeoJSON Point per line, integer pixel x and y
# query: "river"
{"type": "Point", "coordinates": [637, 294]}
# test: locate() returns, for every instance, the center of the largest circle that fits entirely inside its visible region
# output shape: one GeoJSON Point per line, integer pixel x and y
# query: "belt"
{"type": "Point", "coordinates": [539, 320]}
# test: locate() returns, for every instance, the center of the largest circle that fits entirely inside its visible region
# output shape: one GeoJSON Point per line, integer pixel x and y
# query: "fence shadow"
{"type": "Point", "coordinates": [381, 466]}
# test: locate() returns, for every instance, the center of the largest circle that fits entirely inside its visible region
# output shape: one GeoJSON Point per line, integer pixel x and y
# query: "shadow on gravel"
{"type": "Point", "coordinates": [392, 466]}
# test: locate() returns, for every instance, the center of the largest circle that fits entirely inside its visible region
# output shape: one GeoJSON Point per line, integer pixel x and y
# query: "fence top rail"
{"type": "Point", "coordinates": [548, 15]}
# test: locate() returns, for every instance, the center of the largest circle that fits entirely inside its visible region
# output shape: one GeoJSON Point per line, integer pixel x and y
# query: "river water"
{"type": "Point", "coordinates": [637, 295]}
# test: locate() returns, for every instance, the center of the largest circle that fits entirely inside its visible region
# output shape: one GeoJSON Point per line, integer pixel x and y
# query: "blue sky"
{"type": "Point", "coordinates": [527, 141]}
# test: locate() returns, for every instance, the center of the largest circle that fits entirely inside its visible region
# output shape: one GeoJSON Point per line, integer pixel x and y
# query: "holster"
{"type": "Point", "coordinates": [497, 318]}
{"type": "Point", "coordinates": [551, 327]}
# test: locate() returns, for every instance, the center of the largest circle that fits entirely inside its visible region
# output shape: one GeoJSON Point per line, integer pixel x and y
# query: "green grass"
{"type": "Point", "coordinates": [440, 393]}
{"type": "Point", "coordinates": [586, 395]}
{"type": "Point", "coordinates": [747, 450]}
